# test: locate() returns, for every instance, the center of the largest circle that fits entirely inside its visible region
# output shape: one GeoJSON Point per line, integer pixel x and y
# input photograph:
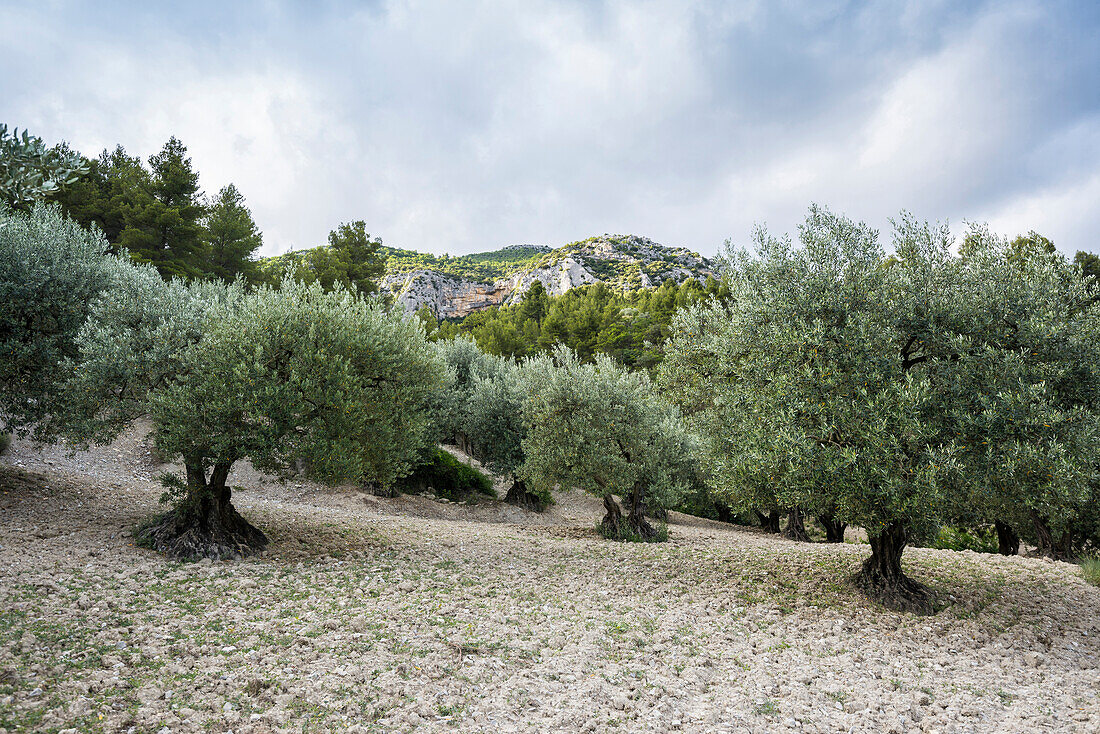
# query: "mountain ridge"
{"type": "Point", "coordinates": [452, 287]}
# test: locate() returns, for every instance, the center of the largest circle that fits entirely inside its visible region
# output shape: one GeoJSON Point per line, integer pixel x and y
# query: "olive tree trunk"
{"type": "Point", "coordinates": [1008, 542]}
{"type": "Point", "coordinates": [882, 577]}
{"type": "Point", "coordinates": [1058, 548]}
{"type": "Point", "coordinates": [520, 496]}
{"type": "Point", "coordinates": [769, 522]}
{"type": "Point", "coordinates": [834, 529]}
{"type": "Point", "coordinates": [634, 525]}
{"type": "Point", "coordinates": [636, 518]}
{"type": "Point", "coordinates": [796, 527]}
{"type": "Point", "coordinates": [204, 524]}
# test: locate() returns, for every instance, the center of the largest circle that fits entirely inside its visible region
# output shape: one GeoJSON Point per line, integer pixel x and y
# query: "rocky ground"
{"type": "Point", "coordinates": [409, 614]}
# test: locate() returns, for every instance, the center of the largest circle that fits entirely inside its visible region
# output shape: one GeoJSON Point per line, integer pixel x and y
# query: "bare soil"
{"type": "Point", "coordinates": [412, 614]}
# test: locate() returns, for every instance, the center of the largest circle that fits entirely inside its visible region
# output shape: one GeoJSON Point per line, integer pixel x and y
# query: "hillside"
{"type": "Point", "coordinates": [455, 287]}
{"type": "Point", "coordinates": [411, 614]}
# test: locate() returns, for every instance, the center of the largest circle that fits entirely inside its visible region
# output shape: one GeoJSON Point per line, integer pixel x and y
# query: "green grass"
{"type": "Point", "coordinates": [1090, 569]}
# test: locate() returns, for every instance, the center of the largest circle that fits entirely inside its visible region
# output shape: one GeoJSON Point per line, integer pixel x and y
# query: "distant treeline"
{"type": "Point", "coordinates": [156, 210]}
{"type": "Point", "coordinates": [630, 326]}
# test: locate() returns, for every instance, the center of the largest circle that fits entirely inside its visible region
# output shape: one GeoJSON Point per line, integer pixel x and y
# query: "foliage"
{"type": "Point", "coordinates": [980, 540]}
{"type": "Point", "coordinates": [1025, 401]}
{"type": "Point", "coordinates": [330, 379]}
{"type": "Point", "coordinates": [602, 429]}
{"type": "Point", "coordinates": [154, 212]}
{"type": "Point", "coordinates": [1089, 263]}
{"type": "Point", "coordinates": [450, 410]}
{"type": "Point", "coordinates": [495, 429]}
{"type": "Point", "coordinates": [447, 477]}
{"type": "Point", "coordinates": [352, 259]}
{"type": "Point", "coordinates": [167, 230]}
{"type": "Point", "coordinates": [31, 172]}
{"type": "Point", "coordinates": [631, 327]}
{"type": "Point", "coordinates": [494, 418]}
{"type": "Point", "coordinates": [133, 342]}
{"type": "Point", "coordinates": [50, 272]}
{"type": "Point", "coordinates": [484, 267]}
{"type": "Point", "coordinates": [794, 387]}
{"type": "Point", "coordinates": [842, 382]}
{"type": "Point", "coordinates": [157, 213]}
{"type": "Point", "coordinates": [331, 382]}
{"type": "Point", "coordinates": [231, 238]}
{"type": "Point", "coordinates": [5, 442]}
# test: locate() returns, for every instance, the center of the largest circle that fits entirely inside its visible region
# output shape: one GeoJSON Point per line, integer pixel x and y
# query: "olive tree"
{"type": "Point", "coordinates": [603, 429]}
{"type": "Point", "coordinates": [496, 430]}
{"type": "Point", "coordinates": [891, 392]}
{"type": "Point", "coordinates": [810, 393]}
{"type": "Point", "coordinates": [132, 343]}
{"type": "Point", "coordinates": [284, 377]}
{"type": "Point", "coordinates": [465, 363]}
{"type": "Point", "coordinates": [51, 270]}
{"type": "Point", "coordinates": [30, 171]}
{"type": "Point", "coordinates": [1025, 396]}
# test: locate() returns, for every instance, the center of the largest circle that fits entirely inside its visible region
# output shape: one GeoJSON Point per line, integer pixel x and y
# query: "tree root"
{"type": "Point", "coordinates": [189, 535]}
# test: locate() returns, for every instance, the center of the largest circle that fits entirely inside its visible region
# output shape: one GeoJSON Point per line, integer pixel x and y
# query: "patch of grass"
{"type": "Point", "coordinates": [1090, 569]}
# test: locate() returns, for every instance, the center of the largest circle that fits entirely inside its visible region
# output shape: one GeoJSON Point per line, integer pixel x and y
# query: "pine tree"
{"type": "Point", "coordinates": [358, 253]}
{"type": "Point", "coordinates": [231, 237]}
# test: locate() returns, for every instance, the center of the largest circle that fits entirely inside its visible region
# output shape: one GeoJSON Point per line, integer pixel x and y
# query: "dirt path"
{"type": "Point", "coordinates": [412, 614]}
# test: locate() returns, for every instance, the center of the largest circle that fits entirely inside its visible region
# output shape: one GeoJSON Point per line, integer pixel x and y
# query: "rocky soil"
{"type": "Point", "coordinates": [416, 615]}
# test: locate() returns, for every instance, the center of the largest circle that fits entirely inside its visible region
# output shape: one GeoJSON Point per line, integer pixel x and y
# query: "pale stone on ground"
{"type": "Point", "coordinates": [415, 615]}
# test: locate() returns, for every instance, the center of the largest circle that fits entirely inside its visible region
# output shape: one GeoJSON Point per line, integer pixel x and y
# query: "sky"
{"type": "Point", "coordinates": [455, 127]}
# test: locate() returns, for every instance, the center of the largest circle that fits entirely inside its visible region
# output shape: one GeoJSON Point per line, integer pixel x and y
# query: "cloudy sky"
{"type": "Point", "coordinates": [463, 126]}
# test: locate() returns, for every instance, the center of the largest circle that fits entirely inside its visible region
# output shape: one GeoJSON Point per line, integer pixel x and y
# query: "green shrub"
{"type": "Point", "coordinates": [1090, 569]}
{"type": "Point", "coordinates": [981, 540]}
{"type": "Point", "coordinates": [5, 442]}
{"type": "Point", "coordinates": [447, 477]}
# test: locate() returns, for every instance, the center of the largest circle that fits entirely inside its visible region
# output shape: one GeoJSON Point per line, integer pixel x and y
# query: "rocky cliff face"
{"type": "Point", "coordinates": [447, 296]}
{"type": "Point", "coordinates": [624, 262]}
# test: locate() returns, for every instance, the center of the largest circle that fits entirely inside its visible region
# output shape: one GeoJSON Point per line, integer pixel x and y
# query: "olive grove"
{"type": "Point", "coordinates": [332, 381]}
{"type": "Point", "coordinates": [864, 388]}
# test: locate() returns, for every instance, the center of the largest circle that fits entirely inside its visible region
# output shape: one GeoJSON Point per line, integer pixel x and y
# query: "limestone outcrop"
{"type": "Point", "coordinates": [623, 262]}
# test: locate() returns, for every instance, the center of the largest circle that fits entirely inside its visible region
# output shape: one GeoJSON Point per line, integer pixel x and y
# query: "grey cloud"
{"type": "Point", "coordinates": [460, 126]}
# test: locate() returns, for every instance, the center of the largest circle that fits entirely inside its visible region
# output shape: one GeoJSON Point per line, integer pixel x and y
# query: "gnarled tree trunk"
{"type": "Point", "coordinates": [883, 579]}
{"type": "Point", "coordinates": [520, 496]}
{"type": "Point", "coordinates": [614, 525]}
{"type": "Point", "coordinates": [834, 529]}
{"type": "Point", "coordinates": [723, 511]}
{"type": "Point", "coordinates": [796, 527]}
{"type": "Point", "coordinates": [613, 516]}
{"type": "Point", "coordinates": [205, 524]}
{"type": "Point", "coordinates": [1058, 548]}
{"type": "Point", "coordinates": [636, 513]}
{"type": "Point", "coordinates": [769, 522]}
{"type": "Point", "coordinates": [1008, 542]}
